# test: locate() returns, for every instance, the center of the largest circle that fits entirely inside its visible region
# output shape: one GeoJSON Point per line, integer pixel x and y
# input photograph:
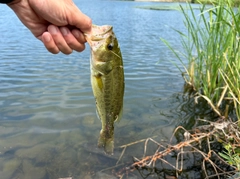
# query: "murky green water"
{"type": "Point", "coordinates": [48, 125]}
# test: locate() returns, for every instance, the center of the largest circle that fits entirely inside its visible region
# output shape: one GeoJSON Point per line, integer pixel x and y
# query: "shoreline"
{"type": "Point", "coordinates": [235, 2]}
{"type": "Point", "coordinates": [163, 0]}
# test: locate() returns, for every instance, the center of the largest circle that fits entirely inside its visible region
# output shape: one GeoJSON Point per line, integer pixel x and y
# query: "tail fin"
{"type": "Point", "coordinates": [106, 143]}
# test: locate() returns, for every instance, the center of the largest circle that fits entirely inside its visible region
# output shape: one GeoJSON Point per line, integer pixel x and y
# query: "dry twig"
{"type": "Point", "coordinates": [196, 142]}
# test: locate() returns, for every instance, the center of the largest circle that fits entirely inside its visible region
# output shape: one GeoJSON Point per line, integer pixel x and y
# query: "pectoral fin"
{"type": "Point", "coordinates": [99, 82]}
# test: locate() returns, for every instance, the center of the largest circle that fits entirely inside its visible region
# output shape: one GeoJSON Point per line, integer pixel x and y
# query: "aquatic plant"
{"type": "Point", "coordinates": [211, 47]}
{"type": "Point", "coordinates": [236, 3]}
{"type": "Point", "coordinates": [231, 156]}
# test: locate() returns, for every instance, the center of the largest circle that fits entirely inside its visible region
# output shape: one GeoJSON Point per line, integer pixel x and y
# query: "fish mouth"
{"type": "Point", "coordinates": [98, 33]}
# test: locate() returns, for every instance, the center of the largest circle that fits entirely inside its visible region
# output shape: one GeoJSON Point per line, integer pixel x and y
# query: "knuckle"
{"type": "Point", "coordinates": [89, 23]}
{"type": "Point", "coordinates": [80, 48]}
{"type": "Point", "coordinates": [67, 52]}
{"type": "Point", "coordinates": [53, 50]}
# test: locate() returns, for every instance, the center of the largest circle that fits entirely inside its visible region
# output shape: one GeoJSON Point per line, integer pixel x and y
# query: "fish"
{"type": "Point", "coordinates": [107, 80]}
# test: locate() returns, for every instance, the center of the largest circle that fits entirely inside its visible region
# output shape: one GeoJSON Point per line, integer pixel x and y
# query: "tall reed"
{"type": "Point", "coordinates": [211, 47]}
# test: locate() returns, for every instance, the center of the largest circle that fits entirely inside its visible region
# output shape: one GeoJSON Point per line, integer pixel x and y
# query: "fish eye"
{"type": "Point", "coordinates": [110, 46]}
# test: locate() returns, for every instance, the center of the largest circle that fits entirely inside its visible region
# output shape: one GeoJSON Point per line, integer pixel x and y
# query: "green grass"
{"type": "Point", "coordinates": [235, 3]}
{"type": "Point", "coordinates": [212, 49]}
{"type": "Point", "coordinates": [231, 156]}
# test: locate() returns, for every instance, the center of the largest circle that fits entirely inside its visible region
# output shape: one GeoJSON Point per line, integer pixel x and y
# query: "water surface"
{"type": "Point", "coordinates": [48, 124]}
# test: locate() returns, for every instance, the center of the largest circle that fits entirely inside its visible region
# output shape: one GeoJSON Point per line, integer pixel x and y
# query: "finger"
{"type": "Point", "coordinates": [72, 42]}
{"type": "Point", "coordinates": [49, 43]}
{"type": "Point", "coordinates": [59, 40]}
{"type": "Point", "coordinates": [79, 36]}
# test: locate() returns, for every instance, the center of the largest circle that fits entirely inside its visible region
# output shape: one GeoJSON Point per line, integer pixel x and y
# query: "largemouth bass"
{"type": "Point", "coordinates": [107, 79]}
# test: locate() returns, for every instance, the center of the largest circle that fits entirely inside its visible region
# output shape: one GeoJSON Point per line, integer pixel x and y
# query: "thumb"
{"type": "Point", "coordinates": [80, 20]}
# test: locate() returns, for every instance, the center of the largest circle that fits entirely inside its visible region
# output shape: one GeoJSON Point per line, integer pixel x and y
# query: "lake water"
{"type": "Point", "coordinates": [48, 124]}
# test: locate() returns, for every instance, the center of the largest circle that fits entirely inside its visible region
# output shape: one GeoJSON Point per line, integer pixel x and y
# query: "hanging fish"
{"type": "Point", "coordinates": [107, 79]}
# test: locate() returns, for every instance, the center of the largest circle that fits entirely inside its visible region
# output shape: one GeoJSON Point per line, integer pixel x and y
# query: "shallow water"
{"type": "Point", "coordinates": [48, 124]}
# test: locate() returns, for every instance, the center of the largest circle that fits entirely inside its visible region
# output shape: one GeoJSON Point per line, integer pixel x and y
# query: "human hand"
{"type": "Point", "coordinates": [58, 24]}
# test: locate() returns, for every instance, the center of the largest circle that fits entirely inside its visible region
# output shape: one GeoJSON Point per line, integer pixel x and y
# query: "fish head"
{"type": "Point", "coordinates": [105, 50]}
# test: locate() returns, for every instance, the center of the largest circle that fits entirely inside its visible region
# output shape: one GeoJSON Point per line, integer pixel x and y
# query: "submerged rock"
{"type": "Point", "coordinates": [101, 175]}
{"type": "Point", "coordinates": [31, 171]}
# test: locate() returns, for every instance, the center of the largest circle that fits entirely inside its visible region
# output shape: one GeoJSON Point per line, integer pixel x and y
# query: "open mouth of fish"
{"type": "Point", "coordinates": [100, 33]}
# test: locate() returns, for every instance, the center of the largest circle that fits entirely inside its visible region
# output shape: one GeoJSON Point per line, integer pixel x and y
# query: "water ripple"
{"type": "Point", "coordinates": [46, 101]}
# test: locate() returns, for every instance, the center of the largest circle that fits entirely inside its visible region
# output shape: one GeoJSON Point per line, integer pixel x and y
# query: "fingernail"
{"type": "Point", "coordinates": [76, 33]}
{"type": "Point", "coordinates": [52, 29]}
{"type": "Point", "coordinates": [46, 38]}
{"type": "Point", "coordinates": [64, 31]}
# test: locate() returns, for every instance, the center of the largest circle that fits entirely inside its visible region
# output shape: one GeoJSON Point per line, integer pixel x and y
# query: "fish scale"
{"type": "Point", "coordinates": [107, 79]}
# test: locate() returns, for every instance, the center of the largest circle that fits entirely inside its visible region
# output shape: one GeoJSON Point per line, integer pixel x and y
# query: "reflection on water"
{"type": "Point", "coordinates": [48, 124]}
